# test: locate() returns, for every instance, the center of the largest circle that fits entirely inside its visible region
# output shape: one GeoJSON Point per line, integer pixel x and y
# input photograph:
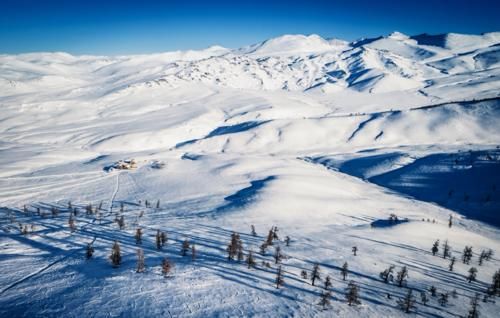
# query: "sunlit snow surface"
{"type": "Point", "coordinates": [322, 138]}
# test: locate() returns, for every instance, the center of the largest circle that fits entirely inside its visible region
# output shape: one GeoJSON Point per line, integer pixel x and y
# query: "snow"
{"type": "Point", "coordinates": [320, 137]}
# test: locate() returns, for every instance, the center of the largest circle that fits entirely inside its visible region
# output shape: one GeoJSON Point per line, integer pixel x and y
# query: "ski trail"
{"type": "Point", "coordinates": [110, 211]}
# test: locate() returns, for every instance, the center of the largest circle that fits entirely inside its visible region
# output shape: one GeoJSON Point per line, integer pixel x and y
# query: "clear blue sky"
{"type": "Point", "coordinates": [142, 26]}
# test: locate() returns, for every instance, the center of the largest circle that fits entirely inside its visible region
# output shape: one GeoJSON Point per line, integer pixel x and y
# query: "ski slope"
{"type": "Point", "coordinates": [323, 138]}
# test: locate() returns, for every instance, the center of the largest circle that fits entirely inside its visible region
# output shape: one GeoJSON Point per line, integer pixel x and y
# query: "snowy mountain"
{"type": "Point", "coordinates": [326, 139]}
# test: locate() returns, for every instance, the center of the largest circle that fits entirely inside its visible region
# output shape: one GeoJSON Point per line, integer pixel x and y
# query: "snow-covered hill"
{"type": "Point", "coordinates": [323, 138]}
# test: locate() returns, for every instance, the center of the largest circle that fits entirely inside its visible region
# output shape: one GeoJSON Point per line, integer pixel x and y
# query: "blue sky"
{"type": "Point", "coordinates": [128, 27]}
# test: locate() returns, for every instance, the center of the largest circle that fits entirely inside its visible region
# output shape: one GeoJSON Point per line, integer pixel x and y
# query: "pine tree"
{"type": "Point", "coordinates": [115, 256]}
{"type": "Point", "coordinates": [163, 238]}
{"type": "Point", "coordinates": [344, 270]}
{"type": "Point", "coordinates": [138, 236]}
{"type": "Point", "coordinates": [423, 298]}
{"type": "Point", "coordinates": [489, 254]}
{"type": "Point", "coordinates": [287, 240]}
{"type": "Point", "coordinates": [443, 299]}
{"type": "Point", "coordinates": [263, 248]}
{"type": "Point", "coordinates": [193, 252]}
{"type": "Point", "coordinates": [450, 221]}
{"type": "Point", "coordinates": [467, 255]}
{"type": "Point", "coordinates": [279, 278]}
{"type": "Point", "coordinates": [71, 223]}
{"type": "Point", "coordinates": [325, 299]}
{"type": "Point", "coordinates": [277, 255]}
{"type": "Point", "coordinates": [158, 240]}
{"type": "Point", "coordinates": [494, 289]}
{"type": "Point", "coordinates": [235, 247]}
{"type": "Point", "coordinates": [472, 275]}
{"type": "Point", "coordinates": [474, 304]}
{"type": "Point", "coordinates": [386, 275]}
{"type": "Point", "coordinates": [90, 251]}
{"type": "Point", "coordinates": [408, 302]}
{"type": "Point", "coordinates": [452, 263]}
{"type": "Point", "coordinates": [433, 291]}
{"type": "Point", "coordinates": [185, 247]}
{"type": "Point", "coordinates": [141, 267]}
{"type": "Point", "coordinates": [275, 233]}
{"type": "Point", "coordinates": [401, 276]}
{"type": "Point", "coordinates": [121, 222]}
{"type": "Point", "coordinates": [166, 266]}
{"type": "Point", "coordinates": [435, 248]}
{"type": "Point", "coordinates": [352, 294]}
{"type": "Point", "coordinates": [303, 274]}
{"type": "Point", "coordinates": [315, 274]}
{"type": "Point", "coordinates": [253, 230]}
{"type": "Point", "coordinates": [354, 250]}
{"type": "Point", "coordinates": [446, 249]}
{"type": "Point", "coordinates": [482, 257]}
{"type": "Point", "coordinates": [158, 204]}
{"type": "Point", "coordinates": [270, 235]}
{"type": "Point", "coordinates": [250, 260]}
{"type": "Point", "coordinates": [328, 282]}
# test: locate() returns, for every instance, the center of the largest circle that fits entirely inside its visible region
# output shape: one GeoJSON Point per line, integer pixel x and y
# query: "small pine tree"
{"type": "Point", "coordinates": [344, 270]}
{"type": "Point", "coordinates": [270, 235]}
{"type": "Point", "coordinates": [235, 248]}
{"type": "Point", "coordinates": [401, 276]}
{"type": "Point", "coordinates": [446, 249]}
{"type": "Point", "coordinates": [275, 233]}
{"type": "Point", "coordinates": [472, 275]}
{"type": "Point", "coordinates": [158, 240]}
{"type": "Point", "coordinates": [138, 236]}
{"type": "Point", "coordinates": [250, 260]}
{"type": "Point", "coordinates": [423, 298]}
{"type": "Point", "coordinates": [315, 274]}
{"type": "Point", "coordinates": [489, 254]}
{"type": "Point", "coordinates": [352, 294]}
{"type": "Point", "coordinates": [450, 221]}
{"type": "Point", "coordinates": [71, 223]}
{"type": "Point", "coordinates": [408, 302]}
{"type": "Point", "coordinates": [121, 222]}
{"type": "Point", "coordinates": [185, 247]}
{"type": "Point", "coordinates": [279, 278]}
{"type": "Point", "coordinates": [263, 248]}
{"type": "Point", "coordinates": [443, 299]}
{"type": "Point", "coordinates": [90, 251]}
{"type": "Point", "coordinates": [324, 301]}
{"type": "Point", "coordinates": [277, 255]}
{"type": "Point", "coordinates": [435, 248]}
{"type": "Point", "coordinates": [193, 252]}
{"type": "Point", "coordinates": [240, 254]}
{"type": "Point", "coordinates": [494, 289]}
{"type": "Point", "coordinates": [163, 238]}
{"type": "Point", "coordinates": [328, 282]}
{"type": "Point", "coordinates": [433, 291]}
{"type": "Point", "coordinates": [166, 266]}
{"type": "Point", "coordinates": [452, 263]}
{"type": "Point", "coordinates": [252, 228]}
{"type": "Point", "coordinates": [287, 240]}
{"type": "Point", "coordinates": [386, 275]}
{"type": "Point", "coordinates": [467, 255]}
{"type": "Point", "coordinates": [158, 204]}
{"type": "Point", "coordinates": [474, 304]}
{"type": "Point", "coordinates": [141, 267]}
{"type": "Point", "coordinates": [303, 274]}
{"type": "Point", "coordinates": [115, 256]}
{"type": "Point", "coordinates": [482, 257]}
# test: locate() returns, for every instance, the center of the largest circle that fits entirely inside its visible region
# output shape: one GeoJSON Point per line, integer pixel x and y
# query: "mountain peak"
{"type": "Point", "coordinates": [289, 43]}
